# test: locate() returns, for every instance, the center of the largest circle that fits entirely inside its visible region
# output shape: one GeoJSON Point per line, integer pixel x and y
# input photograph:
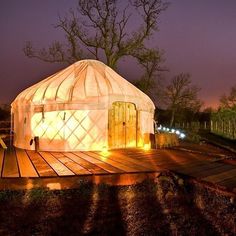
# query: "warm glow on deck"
{"type": "Point", "coordinates": [147, 146]}
{"type": "Point", "coordinates": [105, 153]}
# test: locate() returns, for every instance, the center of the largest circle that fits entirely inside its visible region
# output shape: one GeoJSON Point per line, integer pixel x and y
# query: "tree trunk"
{"type": "Point", "coordinates": [172, 117]}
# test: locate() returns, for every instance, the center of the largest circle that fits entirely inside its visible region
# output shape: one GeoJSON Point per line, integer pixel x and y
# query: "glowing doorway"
{"type": "Point", "coordinates": [122, 125]}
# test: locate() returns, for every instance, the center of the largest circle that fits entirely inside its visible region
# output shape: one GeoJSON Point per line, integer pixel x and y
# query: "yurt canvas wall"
{"type": "Point", "coordinates": [86, 106]}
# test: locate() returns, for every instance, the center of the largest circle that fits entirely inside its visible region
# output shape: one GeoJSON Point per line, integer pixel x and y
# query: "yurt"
{"type": "Point", "coordinates": [86, 106]}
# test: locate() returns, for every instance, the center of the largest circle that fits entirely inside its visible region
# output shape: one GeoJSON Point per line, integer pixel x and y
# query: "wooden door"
{"type": "Point", "coordinates": [122, 125]}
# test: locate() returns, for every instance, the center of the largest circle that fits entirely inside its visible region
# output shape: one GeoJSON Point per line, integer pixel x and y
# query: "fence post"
{"type": "Point", "coordinates": [222, 127]}
{"type": "Point", "coordinates": [233, 129]}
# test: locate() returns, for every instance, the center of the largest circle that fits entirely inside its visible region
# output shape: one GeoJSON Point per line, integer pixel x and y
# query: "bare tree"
{"type": "Point", "coordinates": [99, 29]}
{"type": "Point", "coordinates": [150, 60]}
{"type": "Point", "coordinates": [181, 94]}
{"type": "Point", "coordinates": [229, 101]}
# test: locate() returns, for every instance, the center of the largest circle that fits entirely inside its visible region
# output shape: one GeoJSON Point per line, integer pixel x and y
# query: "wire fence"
{"type": "Point", "coordinates": [225, 128]}
{"type": "Point", "coordinates": [194, 126]}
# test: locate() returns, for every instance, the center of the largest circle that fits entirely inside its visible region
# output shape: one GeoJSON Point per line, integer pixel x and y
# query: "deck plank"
{"type": "Point", "coordinates": [26, 167]}
{"type": "Point", "coordinates": [228, 183]}
{"type": "Point", "coordinates": [222, 176]}
{"type": "Point", "coordinates": [138, 152]}
{"type": "Point", "coordinates": [118, 158]}
{"type": "Point", "coordinates": [10, 166]}
{"type": "Point", "coordinates": [211, 169]}
{"type": "Point", "coordinates": [104, 165]}
{"type": "Point", "coordinates": [165, 160]}
{"type": "Point", "coordinates": [157, 160]}
{"type": "Point", "coordinates": [41, 165]}
{"type": "Point", "coordinates": [178, 156]}
{"type": "Point", "coordinates": [188, 167]}
{"type": "Point", "coordinates": [73, 166]}
{"type": "Point", "coordinates": [129, 161]}
{"type": "Point", "coordinates": [86, 164]}
{"type": "Point", "coordinates": [58, 167]}
{"type": "Point", "coordinates": [107, 159]}
{"type": "Point", "coordinates": [1, 160]}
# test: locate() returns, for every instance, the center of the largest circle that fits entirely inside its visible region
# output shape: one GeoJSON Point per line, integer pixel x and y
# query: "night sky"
{"type": "Point", "coordinates": [198, 37]}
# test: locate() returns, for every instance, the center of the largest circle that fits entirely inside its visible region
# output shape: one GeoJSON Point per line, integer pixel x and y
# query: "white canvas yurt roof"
{"type": "Point", "coordinates": [86, 84]}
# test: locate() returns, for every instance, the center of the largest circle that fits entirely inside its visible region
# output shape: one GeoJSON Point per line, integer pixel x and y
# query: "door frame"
{"type": "Point", "coordinates": [110, 138]}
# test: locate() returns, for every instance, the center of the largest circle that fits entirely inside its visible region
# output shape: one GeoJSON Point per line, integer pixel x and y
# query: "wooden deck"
{"type": "Point", "coordinates": [18, 163]}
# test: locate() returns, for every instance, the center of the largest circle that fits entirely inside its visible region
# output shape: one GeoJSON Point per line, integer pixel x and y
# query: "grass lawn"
{"type": "Point", "coordinates": [168, 205]}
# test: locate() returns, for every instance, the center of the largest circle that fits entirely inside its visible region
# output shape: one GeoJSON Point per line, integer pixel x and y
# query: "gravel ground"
{"type": "Point", "coordinates": [167, 205]}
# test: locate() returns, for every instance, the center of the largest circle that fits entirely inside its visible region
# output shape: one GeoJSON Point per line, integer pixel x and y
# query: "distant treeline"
{"type": "Point", "coordinates": [183, 117]}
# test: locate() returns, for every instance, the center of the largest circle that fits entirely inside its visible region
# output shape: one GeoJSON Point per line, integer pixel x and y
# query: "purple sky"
{"type": "Point", "coordinates": [198, 37]}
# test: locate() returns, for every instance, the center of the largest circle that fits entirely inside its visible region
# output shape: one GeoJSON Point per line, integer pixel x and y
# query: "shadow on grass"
{"type": "Point", "coordinates": [215, 213]}
{"type": "Point", "coordinates": [44, 212]}
{"type": "Point", "coordinates": [73, 210]}
{"type": "Point", "coordinates": [107, 218]}
{"type": "Point", "coordinates": [19, 213]}
{"type": "Point", "coordinates": [143, 212]}
{"type": "Point", "coordinates": [184, 215]}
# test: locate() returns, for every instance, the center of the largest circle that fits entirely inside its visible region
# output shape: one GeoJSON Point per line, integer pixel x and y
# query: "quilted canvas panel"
{"type": "Point", "coordinates": [71, 129]}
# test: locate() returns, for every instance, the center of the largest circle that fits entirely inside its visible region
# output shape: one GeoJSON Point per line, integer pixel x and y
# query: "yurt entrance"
{"type": "Point", "coordinates": [122, 125]}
